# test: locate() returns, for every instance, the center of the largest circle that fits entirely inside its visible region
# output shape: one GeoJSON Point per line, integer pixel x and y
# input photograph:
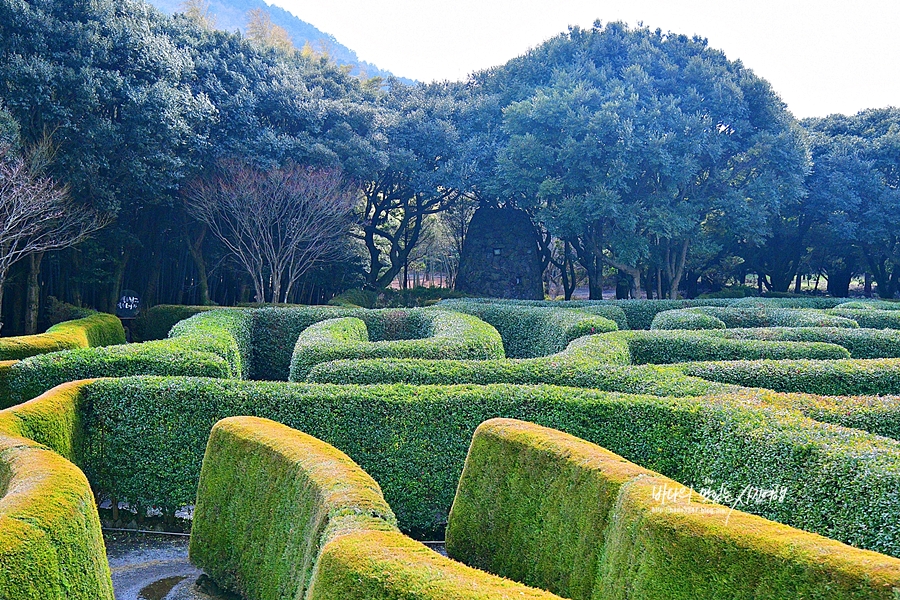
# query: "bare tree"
{"type": "Point", "coordinates": [200, 12]}
{"type": "Point", "coordinates": [36, 214]}
{"type": "Point", "coordinates": [278, 224]}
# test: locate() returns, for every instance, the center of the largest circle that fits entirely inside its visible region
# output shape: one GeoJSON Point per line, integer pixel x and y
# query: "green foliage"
{"type": "Point", "coordinates": [51, 547]}
{"type": "Point", "coordinates": [155, 323]}
{"type": "Point", "coordinates": [742, 317]}
{"type": "Point", "coordinates": [862, 343]}
{"type": "Point", "coordinates": [96, 330]}
{"type": "Point", "coordinates": [870, 317]}
{"type": "Point", "coordinates": [413, 441]}
{"type": "Point", "coordinates": [737, 291]}
{"type": "Point", "coordinates": [867, 304]}
{"type": "Point", "coordinates": [447, 335]}
{"type": "Point", "coordinates": [556, 512]}
{"type": "Point", "coordinates": [853, 377]}
{"type": "Point", "coordinates": [686, 319]}
{"type": "Point", "coordinates": [383, 565]}
{"type": "Point", "coordinates": [392, 298]}
{"type": "Point", "coordinates": [309, 490]}
{"type": "Point", "coordinates": [530, 331]}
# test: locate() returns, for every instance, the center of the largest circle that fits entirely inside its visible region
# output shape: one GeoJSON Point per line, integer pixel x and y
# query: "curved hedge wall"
{"type": "Point", "coordinates": [446, 335]}
{"type": "Point", "coordinates": [96, 330]}
{"type": "Point", "coordinates": [532, 331]}
{"type": "Point", "coordinates": [742, 317]}
{"type": "Point", "coordinates": [308, 489]}
{"type": "Point", "coordinates": [870, 317]}
{"type": "Point", "coordinates": [556, 512]}
{"type": "Point", "coordinates": [861, 343]}
{"type": "Point", "coordinates": [51, 547]}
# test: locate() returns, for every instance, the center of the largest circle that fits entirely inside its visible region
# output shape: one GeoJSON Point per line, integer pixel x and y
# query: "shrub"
{"type": "Point", "coordinates": [384, 565]}
{"type": "Point", "coordinates": [686, 319]}
{"type": "Point", "coordinates": [853, 377]}
{"type": "Point", "coordinates": [806, 302]}
{"type": "Point", "coordinates": [771, 317]}
{"type": "Point", "coordinates": [866, 304]}
{"type": "Point", "coordinates": [145, 438]}
{"type": "Point", "coordinates": [51, 546]}
{"type": "Point", "coordinates": [666, 347]}
{"type": "Point", "coordinates": [156, 322]}
{"type": "Point", "coordinates": [531, 331]}
{"type": "Point", "coordinates": [870, 317]}
{"type": "Point", "coordinates": [862, 343]}
{"type": "Point", "coordinates": [447, 335]}
{"type": "Point", "coordinates": [309, 490]}
{"type": "Point", "coordinates": [99, 329]}
{"type": "Point", "coordinates": [551, 510]}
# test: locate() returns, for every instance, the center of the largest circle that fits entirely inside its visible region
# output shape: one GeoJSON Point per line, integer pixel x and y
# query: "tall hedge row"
{"type": "Point", "coordinates": [308, 490]}
{"type": "Point", "coordinates": [51, 547]}
{"type": "Point", "coordinates": [96, 330]}
{"type": "Point", "coordinates": [556, 512]}
{"type": "Point", "coordinates": [146, 437]}
{"type": "Point", "coordinates": [741, 317]}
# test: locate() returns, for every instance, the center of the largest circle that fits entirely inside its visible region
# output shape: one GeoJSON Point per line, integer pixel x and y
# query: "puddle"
{"type": "Point", "coordinates": [160, 589]}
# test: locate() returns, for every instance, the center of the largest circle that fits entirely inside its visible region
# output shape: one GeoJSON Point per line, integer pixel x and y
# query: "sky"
{"type": "Point", "coordinates": [821, 56]}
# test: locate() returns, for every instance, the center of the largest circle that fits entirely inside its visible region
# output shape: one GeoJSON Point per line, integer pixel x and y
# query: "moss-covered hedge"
{"type": "Point", "coordinates": [446, 335]}
{"type": "Point", "coordinates": [870, 317]}
{"type": "Point", "coordinates": [99, 329]}
{"type": "Point", "coordinates": [146, 437]}
{"type": "Point", "coordinates": [384, 565]}
{"type": "Point", "coordinates": [852, 377]}
{"type": "Point", "coordinates": [308, 490]}
{"type": "Point", "coordinates": [212, 344]}
{"type": "Point", "coordinates": [51, 547]}
{"type": "Point", "coordinates": [556, 512]}
{"type": "Point", "coordinates": [531, 331]}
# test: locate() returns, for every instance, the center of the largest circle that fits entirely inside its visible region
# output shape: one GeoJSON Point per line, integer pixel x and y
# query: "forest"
{"type": "Point", "coordinates": [172, 156]}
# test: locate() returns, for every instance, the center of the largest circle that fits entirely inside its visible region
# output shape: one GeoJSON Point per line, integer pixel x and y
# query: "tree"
{"type": "Point", "coordinates": [262, 31]}
{"type": "Point", "coordinates": [278, 223]}
{"type": "Point", "coordinates": [36, 215]}
{"type": "Point", "coordinates": [200, 13]}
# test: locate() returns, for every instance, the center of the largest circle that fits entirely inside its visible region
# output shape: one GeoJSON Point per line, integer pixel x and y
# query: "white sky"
{"type": "Point", "coordinates": [821, 56]}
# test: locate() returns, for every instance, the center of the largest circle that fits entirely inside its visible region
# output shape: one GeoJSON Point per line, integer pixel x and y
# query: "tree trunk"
{"type": "Point", "coordinates": [33, 293]}
{"type": "Point", "coordinates": [839, 283]}
{"type": "Point", "coordinates": [118, 280]}
{"type": "Point", "coordinates": [2, 287]}
{"type": "Point", "coordinates": [798, 284]}
{"type": "Point", "coordinates": [195, 247]}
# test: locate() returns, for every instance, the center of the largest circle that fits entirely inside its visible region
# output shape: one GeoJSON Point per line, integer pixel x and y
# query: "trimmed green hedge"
{"type": "Point", "coordinates": [862, 343]}
{"type": "Point", "coordinates": [753, 317]}
{"type": "Point", "coordinates": [666, 347]}
{"type": "Point", "coordinates": [51, 547]}
{"type": "Point", "coordinates": [146, 437]}
{"type": "Point", "coordinates": [556, 512]}
{"type": "Point", "coordinates": [870, 317]}
{"type": "Point", "coordinates": [852, 377]}
{"type": "Point", "coordinates": [532, 331]}
{"type": "Point", "coordinates": [686, 319]}
{"type": "Point", "coordinates": [99, 329]}
{"type": "Point", "coordinates": [867, 304]}
{"type": "Point", "coordinates": [446, 335]}
{"type": "Point", "coordinates": [308, 490]}
{"type": "Point", "coordinates": [384, 565]}
{"type": "Point", "coordinates": [212, 344]}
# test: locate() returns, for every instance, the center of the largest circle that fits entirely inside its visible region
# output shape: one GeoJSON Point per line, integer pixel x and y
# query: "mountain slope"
{"type": "Point", "coordinates": [231, 15]}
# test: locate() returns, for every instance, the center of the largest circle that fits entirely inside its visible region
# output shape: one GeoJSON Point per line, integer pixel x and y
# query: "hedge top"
{"type": "Point", "coordinates": [647, 533]}
{"type": "Point", "coordinates": [99, 329]}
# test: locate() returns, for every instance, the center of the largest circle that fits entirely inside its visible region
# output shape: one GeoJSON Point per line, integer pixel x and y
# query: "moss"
{"type": "Point", "coordinates": [64, 545]}
{"type": "Point", "coordinates": [376, 565]}
{"type": "Point", "coordinates": [548, 509]}
{"type": "Point", "coordinates": [96, 330]}
{"type": "Point", "coordinates": [307, 487]}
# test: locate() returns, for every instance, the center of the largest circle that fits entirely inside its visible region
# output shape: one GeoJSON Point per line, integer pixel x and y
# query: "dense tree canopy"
{"type": "Point", "coordinates": [640, 155]}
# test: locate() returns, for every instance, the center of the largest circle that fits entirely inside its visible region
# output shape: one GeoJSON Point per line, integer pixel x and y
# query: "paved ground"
{"type": "Point", "coordinates": [152, 567]}
{"type": "Point", "coordinates": [147, 566]}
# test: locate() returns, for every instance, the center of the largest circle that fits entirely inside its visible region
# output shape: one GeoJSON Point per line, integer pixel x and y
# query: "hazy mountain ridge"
{"type": "Point", "coordinates": [231, 15]}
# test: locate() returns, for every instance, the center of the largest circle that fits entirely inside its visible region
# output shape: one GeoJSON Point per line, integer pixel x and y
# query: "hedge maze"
{"type": "Point", "coordinates": [359, 431]}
